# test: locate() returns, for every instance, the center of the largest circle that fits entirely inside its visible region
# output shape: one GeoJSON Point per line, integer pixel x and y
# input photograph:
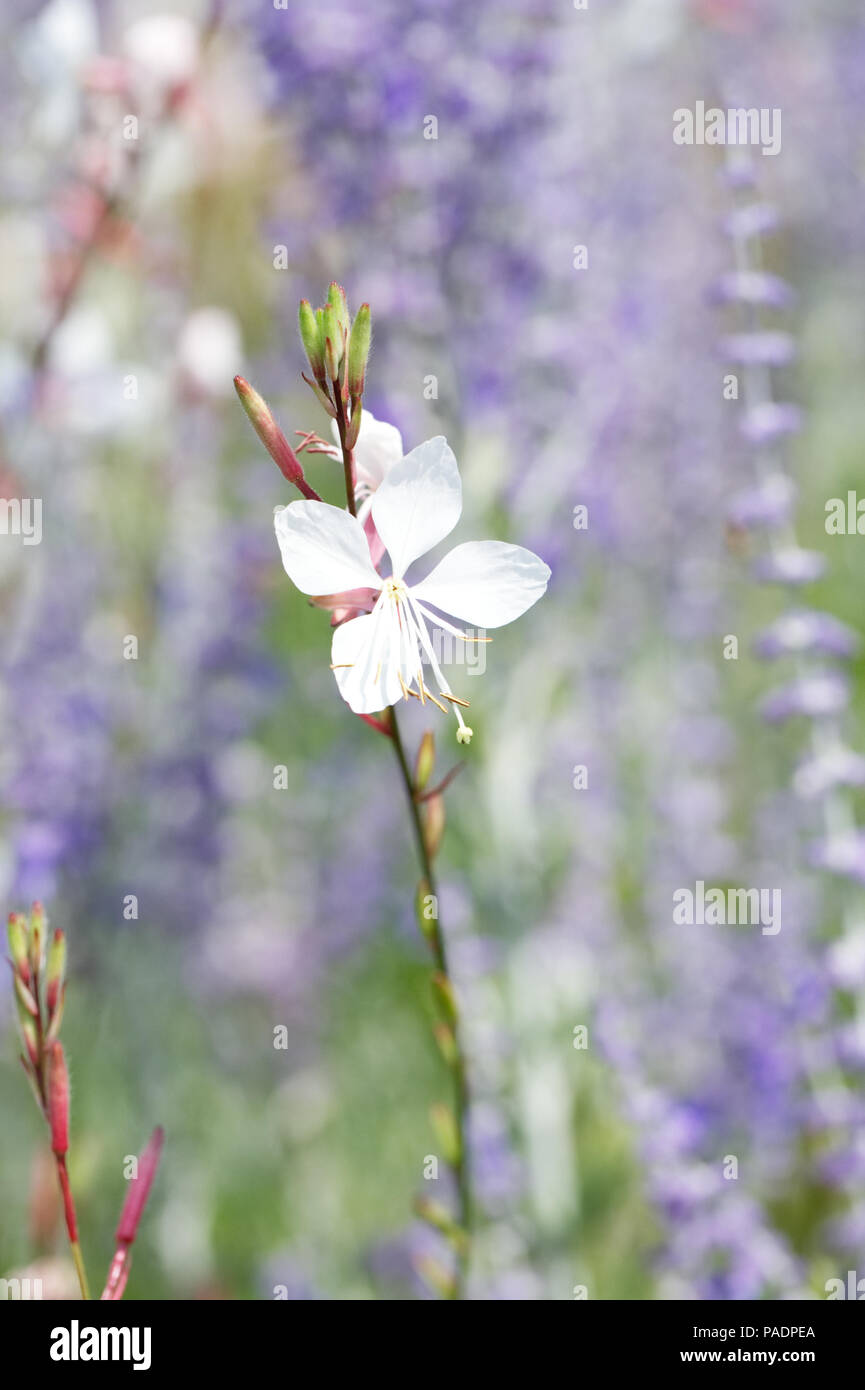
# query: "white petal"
{"type": "Point", "coordinates": [323, 548]}
{"type": "Point", "coordinates": [368, 655]}
{"type": "Point", "coordinates": [485, 583]}
{"type": "Point", "coordinates": [419, 503]}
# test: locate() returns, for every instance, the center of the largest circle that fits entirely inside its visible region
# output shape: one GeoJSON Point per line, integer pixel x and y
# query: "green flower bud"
{"type": "Point", "coordinates": [353, 430]}
{"type": "Point", "coordinates": [36, 939]}
{"type": "Point", "coordinates": [440, 1219]}
{"type": "Point", "coordinates": [310, 336]}
{"type": "Point", "coordinates": [446, 1132]}
{"type": "Point", "coordinates": [29, 1035]}
{"type": "Point", "coordinates": [444, 997]}
{"type": "Point", "coordinates": [16, 932]}
{"type": "Point", "coordinates": [358, 350]}
{"type": "Point", "coordinates": [55, 971]}
{"type": "Point", "coordinates": [56, 1017]}
{"type": "Point", "coordinates": [332, 340]}
{"type": "Point", "coordinates": [336, 298]}
{"type": "Point", "coordinates": [425, 761]}
{"type": "Point", "coordinates": [26, 997]}
{"type": "Point", "coordinates": [435, 1274]}
{"type": "Point", "coordinates": [447, 1044]}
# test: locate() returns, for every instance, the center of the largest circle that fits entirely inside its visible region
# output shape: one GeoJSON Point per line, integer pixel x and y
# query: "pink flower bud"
{"type": "Point", "coordinates": [139, 1189]}
{"type": "Point", "coordinates": [434, 825]}
{"type": "Point", "coordinates": [272, 437]}
{"type": "Point", "coordinates": [58, 1097]}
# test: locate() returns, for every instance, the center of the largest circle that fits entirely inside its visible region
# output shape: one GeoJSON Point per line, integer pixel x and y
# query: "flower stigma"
{"type": "Point", "coordinates": [396, 590]}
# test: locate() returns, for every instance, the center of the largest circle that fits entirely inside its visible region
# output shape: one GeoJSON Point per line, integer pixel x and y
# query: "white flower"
{"type": "Point", "coordinates": [164, 47]}
{"type": "Point", "coordinates": [377, 657]}
{"type": "Point", "coordinates": [378, 448]}
{"type": "Point", "coordinates": [210, 349]}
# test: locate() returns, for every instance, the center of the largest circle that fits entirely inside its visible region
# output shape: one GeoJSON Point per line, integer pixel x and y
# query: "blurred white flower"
{"type": "Point", "coordinates": [210, 350]}
{"type": "Point", "coordinates": [51, 1279]}
{"type": "Point", "coordinates": [164, 47]}
{"type": "Point", "coordinates": [67, 34]}
{"type": "Point", "coordinates": [82, 343]}
{"type": "Point", "coordinates": [377, 657]}
{"type": "Point", "coordinates": [91, 391]}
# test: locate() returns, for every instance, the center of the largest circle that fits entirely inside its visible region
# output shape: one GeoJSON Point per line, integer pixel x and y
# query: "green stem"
{"type": "Point", "coordinates": [461, 1095]}
{"type": "Point", "coordinates": [80, 1270]}
{"type": "Point", "coordinates": [458, 1067]}
{"type": "Point", "coordinates": [72, 1224]}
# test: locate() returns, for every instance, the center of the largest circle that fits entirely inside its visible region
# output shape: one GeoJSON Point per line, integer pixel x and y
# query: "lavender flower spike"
{"type": "Point", "coordinates": [792, 565]}
{"type": "Point", "coordinates": [806, 630]}
{"type": "Point", "coordinates": [768, 421]}
{"type": "Point", "coordinates": [816, 695]}
{"type": "Point", "coordinates": [759, 349]}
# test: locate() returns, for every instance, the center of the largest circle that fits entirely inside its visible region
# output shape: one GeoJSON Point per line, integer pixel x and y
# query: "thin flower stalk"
{"type": "Point", "coordinates": [39, 977]}
{"type": "Point", "coordinates": [397, 509]}
{"type": "Point", "coordinates": [130, 1218]}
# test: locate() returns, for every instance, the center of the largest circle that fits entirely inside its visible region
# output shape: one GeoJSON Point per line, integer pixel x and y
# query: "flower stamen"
{"type": "Point", "coordinates": [448, 627]}
{"type": "Point", "coordinates": [432, 697]}
{"type": "Point", "coordinates": [464, 733]}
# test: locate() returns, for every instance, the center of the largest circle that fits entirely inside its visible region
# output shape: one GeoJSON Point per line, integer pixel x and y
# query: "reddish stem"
{"type": "Point", "coordinates": [118, 1275]}
{"type": "Point", "coordinates": [130, 1217]}
{"type": "Point", "coordinates": [347, 454]}
{"type": "Point", "coordinates": [68, 1201]}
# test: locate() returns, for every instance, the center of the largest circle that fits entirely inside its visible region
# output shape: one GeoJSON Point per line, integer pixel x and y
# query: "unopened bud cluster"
{"type": "Point", "coordinates": [39, 977]}
{"type": "Point", "coordinates": [338, 351]}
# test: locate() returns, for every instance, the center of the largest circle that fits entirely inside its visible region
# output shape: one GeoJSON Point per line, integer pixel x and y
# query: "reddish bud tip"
{"type": "Point", "coordinates": [139, 1189]}
{"type": "Point", "coordinates": [271, 436]}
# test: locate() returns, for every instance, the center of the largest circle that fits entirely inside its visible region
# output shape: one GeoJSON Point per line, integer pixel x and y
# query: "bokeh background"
{"type": "Point", "coordinates": [144, 264]}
